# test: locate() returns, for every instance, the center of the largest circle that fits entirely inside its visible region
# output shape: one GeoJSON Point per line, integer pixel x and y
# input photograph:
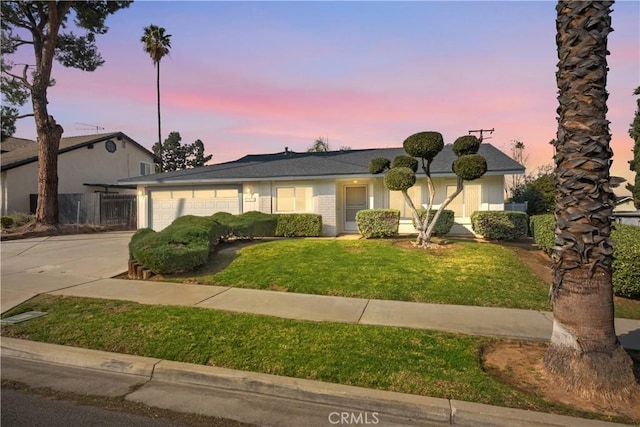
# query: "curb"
{"type": "Point", "coordinates": [406, 406]}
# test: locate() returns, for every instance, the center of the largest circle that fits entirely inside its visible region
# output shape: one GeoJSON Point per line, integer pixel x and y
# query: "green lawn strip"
{"type": "Point", "coordinates": [466, 273]}
{"type": "Point", "coordinates": [627, 308]}
{"type": "Point", "coordinates": [404, 360]}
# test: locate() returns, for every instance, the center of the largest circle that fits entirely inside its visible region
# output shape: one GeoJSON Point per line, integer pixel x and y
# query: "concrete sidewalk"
{"type": "Point", "coordinates": [498, 322]}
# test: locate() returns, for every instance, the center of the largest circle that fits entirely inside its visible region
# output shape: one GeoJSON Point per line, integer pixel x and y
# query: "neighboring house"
{"type": "Point", "coordinates": [624, 204]}
{"type": "Point", "coordinates": [625, 211]}
{"type": "Point", "coordinates": [334, 184]}
{"type": "Point", "coordinates": [86, 164]}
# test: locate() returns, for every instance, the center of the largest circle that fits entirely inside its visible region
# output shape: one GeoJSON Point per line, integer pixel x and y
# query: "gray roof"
{"type": "Point", "coordinates": [13, 143]}
{"type": "Point", "coordinates": [313, 165]}
{"type": "Point", "coordinates": [22, 151]}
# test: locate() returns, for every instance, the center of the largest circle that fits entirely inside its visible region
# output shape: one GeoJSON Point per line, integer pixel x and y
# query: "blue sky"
{"type": "Point", "coordinates": [254, 77]}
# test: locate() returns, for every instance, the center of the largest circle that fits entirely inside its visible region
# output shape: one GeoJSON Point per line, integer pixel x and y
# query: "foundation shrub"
{"type": "Point", "coordinates": [249, 224]}
{"type": "Point", "coordinates": [626, 260]}
{"type": "Point", "coordinates": [298, 225]}
{"type": "Point", "coordinates": [444, 223]}
{"type": "Point", "coordinates": [378, 222]}
{"type": "Point", "coordinates": [543, 231]}
{"type": "Point", "coordinates": [500, 225]}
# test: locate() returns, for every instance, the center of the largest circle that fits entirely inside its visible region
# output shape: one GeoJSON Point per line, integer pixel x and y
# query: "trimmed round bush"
{"type": "Point", "coordinates": [543, 231]}
{"type": "Point", "coordinates": [443, 224]}
{"type": "Point", "coordinates": [378, 165]}
{"type": "Point", "coordinates": [626, 264]}
{"type": "Point", "coordinates": [378, 222]}
{"type": "Point", "coordinates": [467, 144]}
{"type": "Point", "coordinates": [405, 162]}
{"type": "Point", "coordinates": [500, 225]}
{"type": "Point", "coordinates": [398, 179]}
{"type": "Point", "coordinates": [298, 225]}
{"type": "Point", "coordinates": [426, 145]}
{"type": "Point", "coordinates": [470, 166]}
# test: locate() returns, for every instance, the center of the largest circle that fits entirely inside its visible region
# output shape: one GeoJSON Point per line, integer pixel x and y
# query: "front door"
{"type": "Point", "coordinates": [355, 199]}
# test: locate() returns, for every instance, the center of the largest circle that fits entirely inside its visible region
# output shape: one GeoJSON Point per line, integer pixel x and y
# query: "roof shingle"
{"type": "Point", "coordinates": [292, 165]}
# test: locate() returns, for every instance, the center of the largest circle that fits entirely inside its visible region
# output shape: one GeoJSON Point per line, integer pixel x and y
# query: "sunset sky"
{"type": "Point", "coordinates": [256, 77]}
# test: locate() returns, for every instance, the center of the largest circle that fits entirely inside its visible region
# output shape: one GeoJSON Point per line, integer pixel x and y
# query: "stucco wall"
{"type": "Point", "coordinates": [17, 184]}
{"type": "Point", "coordinates": [75, 168]}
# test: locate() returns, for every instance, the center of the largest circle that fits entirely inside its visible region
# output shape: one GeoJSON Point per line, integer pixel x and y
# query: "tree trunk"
{"type": "Point", "coordinates": [49, 132]}
{"type": "Point", "coordinates": [159, 128]}
{"type": "Point", "coordinates": [584, 353]}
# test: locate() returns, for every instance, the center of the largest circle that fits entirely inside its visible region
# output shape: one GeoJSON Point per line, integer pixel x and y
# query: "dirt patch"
{"type": "Point", "coordinates": [520, 365]}
{"type": "Point", "coordinates": [435, 245]}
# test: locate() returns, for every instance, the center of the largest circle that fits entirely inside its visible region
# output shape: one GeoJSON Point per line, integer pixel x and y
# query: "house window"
{"type": "Point", "coordinates": [293, 199]}
{"type": "Point", "coordinates": [467, 202]}
{"type": "Point", "coordinates": [145, 168]}
{"type": "Point", "coordinates": [396, 201]}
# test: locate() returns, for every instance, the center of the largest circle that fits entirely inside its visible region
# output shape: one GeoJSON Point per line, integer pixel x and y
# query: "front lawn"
{"type": "Point", "coordinates": [464, 273]}
{"type": "Point", "coordinates": [405, 360]}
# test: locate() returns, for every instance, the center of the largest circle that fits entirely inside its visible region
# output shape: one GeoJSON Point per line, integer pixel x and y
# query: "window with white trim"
{"type": "Point", "coordinates": [145, 168]}
{"type": "Point", "coordinates": [294, 199]}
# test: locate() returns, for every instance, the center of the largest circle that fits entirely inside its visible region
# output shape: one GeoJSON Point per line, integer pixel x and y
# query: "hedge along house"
{"type": "Point", "coordinates": [334, 184]}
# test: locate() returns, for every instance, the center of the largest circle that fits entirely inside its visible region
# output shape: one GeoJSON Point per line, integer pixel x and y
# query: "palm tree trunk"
{"type": "Point", "coordinates": [584, 353]}
{"type": "Point", "coordinates": [159, 129]}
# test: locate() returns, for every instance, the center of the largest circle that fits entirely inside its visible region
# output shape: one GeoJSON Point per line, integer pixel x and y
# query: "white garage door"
{"type": "Point", "coordinates": [167, 205]}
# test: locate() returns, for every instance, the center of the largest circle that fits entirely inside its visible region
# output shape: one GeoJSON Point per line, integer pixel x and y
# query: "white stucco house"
{"type": "Point", "coordinates": [334, 184]}
{"type": "Point", "coordinates": [86, 164]}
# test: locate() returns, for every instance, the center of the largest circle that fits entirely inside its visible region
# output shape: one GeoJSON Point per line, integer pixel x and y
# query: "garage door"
{"type": "Point", "coordinates": [167, 205]}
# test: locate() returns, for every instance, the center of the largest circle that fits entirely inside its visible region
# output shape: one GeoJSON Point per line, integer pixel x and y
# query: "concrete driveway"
{"type": "Point", "coordinates": [45, 264]}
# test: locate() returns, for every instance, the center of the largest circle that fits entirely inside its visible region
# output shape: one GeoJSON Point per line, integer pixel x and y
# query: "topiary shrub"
{"type": "Point", "coordinates": [424, 144]}
{"type": "Point", "coordinates": [138, 237]}
{"type": "Point", "coordinates": [500, 225]}
{"type": "Point", "coordinates": [6, 221]}
{"type": "Point", "coordinates": [378, 165]}
{"type": "Point", "coordinates": [467, 144]}
{"type": "Point", "coordinates": [470, 166]}
{"type": "Point", "coordinates": [626, 260]}
{"type": "Point", "coordinates": [250, 224]}
{"type": "Point", "coordinates": [398, 179]}
{"type": "Point", "coordinates": [543, 231]}
{"type": "Point", "coordinates": [298, 225]}
{"type": "Point", "coordinates": [378, 222]}
{"type": "Point", "coordinates": [173, 250]}
{"type": "Point", "coordinates": [405, 162]}
{"type": "Point", "coordinates": [182, 246]}
{"type": "Point", "coordinates": [444, 223]}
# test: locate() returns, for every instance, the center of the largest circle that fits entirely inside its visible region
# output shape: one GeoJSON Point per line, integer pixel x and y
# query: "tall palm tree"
{"type": "Point", "coordinates": [157, 45]}
{"type": "Point", "coordinates": [584, 352]}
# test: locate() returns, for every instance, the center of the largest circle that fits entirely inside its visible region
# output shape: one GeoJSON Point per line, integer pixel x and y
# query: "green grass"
{"type": "Point", "coordinates": [465, 273]}
{"type": "Point", "coordinates": [413, 361]}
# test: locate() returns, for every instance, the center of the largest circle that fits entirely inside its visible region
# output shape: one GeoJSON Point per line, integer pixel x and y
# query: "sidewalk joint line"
{"type": "Point", "coordinates": [363, 311]}
{"type": "Point", "coordinates": [212, 296]}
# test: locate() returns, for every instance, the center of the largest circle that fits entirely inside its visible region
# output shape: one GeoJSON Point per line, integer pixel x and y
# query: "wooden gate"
{"type": "Point", "coordinates": [118, 209]}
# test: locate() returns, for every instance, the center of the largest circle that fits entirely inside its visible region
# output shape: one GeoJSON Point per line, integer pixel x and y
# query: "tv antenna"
{"type": "Point", "coordinates": [481, 132]}
{"type": "Point", "coordinates": [91, 127]}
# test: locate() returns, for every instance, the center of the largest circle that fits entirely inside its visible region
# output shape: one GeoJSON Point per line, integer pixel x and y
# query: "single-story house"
{"type": "Point", "coordinates": [86, 164]}
{"type": "Point", "coordinates": [334, 184]}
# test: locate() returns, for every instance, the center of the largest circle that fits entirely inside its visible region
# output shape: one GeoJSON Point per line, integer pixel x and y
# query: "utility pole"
{"type": "Point", "coordinates": [481, 132]}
